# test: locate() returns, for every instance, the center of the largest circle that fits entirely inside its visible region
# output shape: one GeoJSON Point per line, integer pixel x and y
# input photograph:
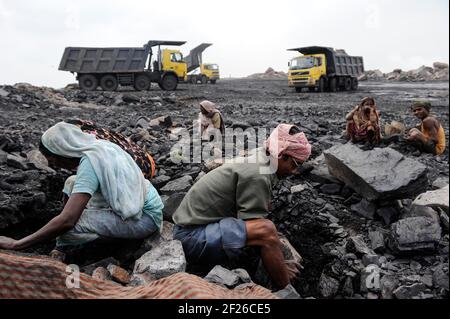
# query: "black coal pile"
{"type": "Point", "coordinates": [354, 244]}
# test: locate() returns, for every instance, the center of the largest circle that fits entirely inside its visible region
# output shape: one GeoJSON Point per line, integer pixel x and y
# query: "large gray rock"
{"type": "Point", "coordinates": [17, 162]}
{"type": "Point", "coordinates": [415, 234]}
{"type": "Point", "coordinates": [182, 184]}
{"type": "Point", "coordinates": [388, 284]}
{"type": "Point", "coordinates": [421, 211]}
{"type": "Point", "coordinates": [357, 245]}
{"type": "Point", "coordinates": [440, 65]}
{"type": "Point", "coordinates": [377, 174]}
{"type": "Point", "coordinates": [440, 182]}
{"type": "Point", "coordinates": [39, 161]}
{"type": "Point", "coordinates": [228, 278]}
{"type": "Point", "coordinates": [440, 277]}
{"type": "Point", "coordinates": [410, 292]}
{"type": "Point", "coordinates": [166, 235]}
{"type": "Point", "coordinates": [162, 261]}
{"type": "Point", "coordinates": [160, 181]}
{"type": "Point", "coordinates": [320, 172]}
{"type": "Point", "coordinates": [3, 93]}
{"type": "Point", "coordinates": [328, 286]}
{"type": "Point", "coordinates": [437, 198]}
{"type": "Point", "coordinates": [365, 208]}
{"type": "Point", "coordinates": [377, 241]}
{"type": "Point", "coordinates": [171, 203]}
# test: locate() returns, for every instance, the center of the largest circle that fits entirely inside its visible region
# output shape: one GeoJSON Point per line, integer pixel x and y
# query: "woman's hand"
{"type": "Point", "coordinates": [56, 227]}
{"type": "Point", "coordinates": [8, 243]}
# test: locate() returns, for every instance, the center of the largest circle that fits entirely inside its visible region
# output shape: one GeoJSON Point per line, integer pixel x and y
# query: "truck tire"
{"type": "Point", "coordinates": [298, 90]}
{"type": "Point", "coordinates": [355, 84]}
{"type": "Point", "coordinates": [88, 82]}
{"type": "Point", "coordinates": [333, 85]}
{"type": "Point", "coordinates": [109, 82]}
{"type": "Point", "coordinates": [194, 80]}
{"type": "Point", "coordinates": [322, 85]}
{"type": "Point", "coordinates": [142, 83]}
{"type": "Point", "coordinates": [204, 79]}
{"type": "Point", "coordinates": [169, 82]}
{"type": "Point", "coordinates": [213, 81]}
{"type": "Point", "coordinates": [348, 84]}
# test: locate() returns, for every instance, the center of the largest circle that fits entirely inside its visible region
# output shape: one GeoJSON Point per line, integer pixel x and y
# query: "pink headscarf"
{"type": "Point", "coordinates": [281, 143]}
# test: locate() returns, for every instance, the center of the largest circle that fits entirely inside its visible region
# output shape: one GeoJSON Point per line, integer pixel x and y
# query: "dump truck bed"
{"type": "Point", "coordinates": [338, 62]}
{"type": "Point", "coordinates": [194, 59]}
{"type": "Point", "coordinates": [104, 60]}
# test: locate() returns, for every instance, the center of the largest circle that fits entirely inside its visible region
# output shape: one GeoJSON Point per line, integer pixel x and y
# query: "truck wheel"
{"type": "Point", "coordinates": [109, 82]}
{"type": "Point", "coordinates": [355, 84]}
{"type": "Point", "coordinates": [298, 90]}
{"type": "Point", "coordinates": [194, 80]}
{"type": "Point", "coordinates": [348, 84]}
{"type": "Point", "coordinates": [213, 81]}
{"type": "Point", "coordinates": [169, 82]}
{"type": "Point", "coordinates": [204, 80]}
{"type": "Point", "coordinates": [322, 85]}
{"type": "Point", "coordinates": [88, 82]}
{"type": "Point", "coordinates": [333, 85]}
{"type": "Point", "coordinates": [141, 83]}
{"type": "Point", "coordinates": [312, 89]}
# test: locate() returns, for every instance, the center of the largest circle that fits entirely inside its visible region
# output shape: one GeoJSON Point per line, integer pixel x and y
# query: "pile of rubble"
{"type": "Point", "coordinates": [270, 74]}
{"type": "Point", "coordinates": [439, 72]}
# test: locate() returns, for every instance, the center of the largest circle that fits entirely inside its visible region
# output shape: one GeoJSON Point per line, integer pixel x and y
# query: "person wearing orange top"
{"type": "Point", "coordinates": [429, 137]}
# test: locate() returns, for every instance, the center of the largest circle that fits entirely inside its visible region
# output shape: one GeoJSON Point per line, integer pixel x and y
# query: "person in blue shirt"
{"type": "Point", "coordinates": [108, 198]}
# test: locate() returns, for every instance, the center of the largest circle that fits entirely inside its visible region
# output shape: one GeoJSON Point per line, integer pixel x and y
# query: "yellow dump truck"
{"type": "Point", "coordinates": [324, 69]}
{"type": "Point", "coordinates": [137, 67]}
{"type": "Point", "coordinates": [199, 72]}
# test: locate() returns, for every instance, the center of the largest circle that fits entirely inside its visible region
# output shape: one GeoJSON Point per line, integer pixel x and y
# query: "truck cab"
{"type": "Point", "coordinates": [306, 70]}
{"type": "Point", "coordinates": [172, 61]}
{"type": "Point", "coordinates": [211, 71]}
{"type": "Point", "coordinates": [325, 69]}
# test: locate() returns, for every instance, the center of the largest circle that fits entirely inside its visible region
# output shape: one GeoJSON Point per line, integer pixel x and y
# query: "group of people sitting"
{"type": "Point", "coordinates": [222, 215]}
{"type": "Point", "coordinates": [363, 125]}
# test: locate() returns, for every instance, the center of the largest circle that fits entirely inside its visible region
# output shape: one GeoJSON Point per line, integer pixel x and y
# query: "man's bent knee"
{"type": "Point", "coordinates": [262, 230]}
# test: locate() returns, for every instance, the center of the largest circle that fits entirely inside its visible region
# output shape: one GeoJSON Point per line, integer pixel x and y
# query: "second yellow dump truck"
{"type": "Point", "coordinates": [199, 72]}
{"type": "Point", "coordinates": [324, 69]}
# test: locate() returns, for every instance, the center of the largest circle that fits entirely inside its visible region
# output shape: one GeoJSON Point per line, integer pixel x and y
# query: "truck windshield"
{"type": "Point", "coordinates": [176, 57]}
{"type": "Point", "coordinates": [213, 67]}
{"type": "Point", "coordinates": [302, 63]}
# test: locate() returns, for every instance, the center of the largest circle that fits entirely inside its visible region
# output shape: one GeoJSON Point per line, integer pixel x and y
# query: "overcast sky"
{"type": "Point", "coordinates": [248, 36]}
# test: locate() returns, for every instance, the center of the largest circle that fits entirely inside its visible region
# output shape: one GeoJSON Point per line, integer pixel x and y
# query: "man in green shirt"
{"type": "Point", "coordinates": [226, 210]}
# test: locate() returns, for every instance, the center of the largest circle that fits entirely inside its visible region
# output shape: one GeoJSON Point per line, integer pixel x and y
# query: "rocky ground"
{"type": "Point", "coordinates": [352, 247]}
